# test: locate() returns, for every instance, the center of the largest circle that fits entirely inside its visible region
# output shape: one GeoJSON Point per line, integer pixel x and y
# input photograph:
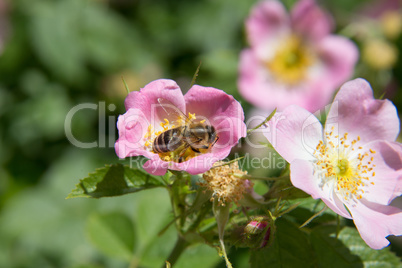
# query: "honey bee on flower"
{"type": "Point", "coordinates": [185, 141]}
{"type": "Point", "coordinates": [157, 127]}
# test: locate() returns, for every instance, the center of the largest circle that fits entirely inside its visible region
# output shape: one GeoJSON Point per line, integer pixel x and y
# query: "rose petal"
{"type": "Point", "coordinates": [356, 112]}
{"type": "Point", "coordinates": [339, 56]}
{"type": "Point", "coordinates": [294, 133]}
{"type": "Point", "coordinates": [302, 177]}
{"type": "Point", "coordinates": [388, 171]}
{"type": "Point", "coordinates": [156, 166]}
{"type": "Point", "coordinates": [229, 131]}
{"type": "Point", "coordinates": [146, 99]}
{"type": "Point", "coordinates": [258, 88]}
{"type": "Point", "coordinates": [310, 20]}
{"type": "Point", "coordinates": [209, 102]}
{"type": "Point", "coordinates": [375, 222]}
{"type": "Point", "coordinates": [132, 127]}
{"type": "Point", "coordinates": [267, 19]}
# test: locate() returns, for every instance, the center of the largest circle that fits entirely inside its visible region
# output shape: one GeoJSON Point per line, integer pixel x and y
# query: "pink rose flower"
{"type": "Point", "coordinates": [354, 162]}
{"type": "Point", "coordinates": [159, 107]}
{"type": "Point", "coordinates": [293, 59]}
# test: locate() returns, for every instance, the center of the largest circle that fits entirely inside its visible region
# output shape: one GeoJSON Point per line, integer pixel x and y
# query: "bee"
{"type": "Point", "coordinates": [191, 135]}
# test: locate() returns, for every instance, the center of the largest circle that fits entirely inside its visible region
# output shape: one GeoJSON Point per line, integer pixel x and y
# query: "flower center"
{"type": "Point", "coordinates": [176, 141]}
{"type": "Point", "coordinates": [344, 166]}
{"type": "Point", "coordinates": [291, 61]}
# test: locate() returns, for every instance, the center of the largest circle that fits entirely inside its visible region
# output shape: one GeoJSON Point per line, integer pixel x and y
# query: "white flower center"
{"type": "Point", "coordinates": [344, 166]}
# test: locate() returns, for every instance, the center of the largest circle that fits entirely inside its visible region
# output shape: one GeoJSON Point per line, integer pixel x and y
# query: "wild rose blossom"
{"type": "Point", "coordinates": [354, 162]}
{"type": "Point", "coordinates": [293, 59]}
{"type": "Point", "coordinates": [146, 119]}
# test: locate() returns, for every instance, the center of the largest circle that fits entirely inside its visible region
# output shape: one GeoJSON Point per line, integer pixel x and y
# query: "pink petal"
{"type": "Point", "coordinates": [221, 111]}
{"type": "Point", "coordinates": [339, 56]}
{"type": "Point", "coordinates": [258, 88]}
{"type": "Point", "coordinates": [229, 131]}
{"type": "Point", "coordinates": [356, 112]}
{"type": "Point", "coordinates": [302, 177]}
{"type": "Point", "coordinates": [310, 21]}
{"type": "Point", "coordinates": [294, 133]}
{"type": "Point", "coordinates": [156, 166]}
{"type": "Point", "coordinates": [267, 19]}
{"type": "Point", "coordinates": [132, 127]}
{"type": "Point", "coordinates": [375, 222]}
{"type": "Point", "coordinates": [209, 102]}
{"type": "Point", "coordinates": [196, 165]}
{"type": "Point", "coordinates": [388, 171]}
{"type": "Point", "coordinates": [146, 99]}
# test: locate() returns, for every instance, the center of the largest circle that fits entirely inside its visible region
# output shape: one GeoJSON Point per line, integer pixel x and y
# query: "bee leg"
{"type": "Point", "coordinates": [216, 139]}
{"type": "Point", "coordinates": [195, 150]}
{"type": "Point", "coordinates": [182, 152]}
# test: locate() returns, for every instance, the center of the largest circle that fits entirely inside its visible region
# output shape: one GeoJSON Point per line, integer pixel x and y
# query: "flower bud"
{"type": "Point", "coordinates": [256, 234]}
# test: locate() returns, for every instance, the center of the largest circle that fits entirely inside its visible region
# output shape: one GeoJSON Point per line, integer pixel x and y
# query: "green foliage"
{"type": "Point", "coordinates": [290, 249]}
{"type": "Point", "coordinates": [83, 30]}
{"type": "Point", "coordinates": [319, 247]}
{"type": "Point", "coordinates": [57, 54]}
{"type": "Point", "coordinates": [114, 180]}
{"type": "Point", "coordinates": [370, 257]}
{"type": "Point", "coordinates": [112, 233]}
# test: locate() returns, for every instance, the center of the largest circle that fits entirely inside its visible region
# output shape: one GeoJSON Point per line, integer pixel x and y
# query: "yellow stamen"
{"type": "Point", "coordinates": [334, 163]}
{"type": "Point", "coordinates": [291, 61]}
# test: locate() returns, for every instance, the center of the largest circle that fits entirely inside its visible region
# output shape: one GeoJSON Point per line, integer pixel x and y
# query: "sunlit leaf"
{"type": "Point", "coordinates": [114, 180]}
{"type": "Point", "coordinates": [113, 234]}
{"type": "Point", "coordinates": [371, 258]}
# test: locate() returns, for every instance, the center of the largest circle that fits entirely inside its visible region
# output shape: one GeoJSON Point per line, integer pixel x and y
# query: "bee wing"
{"type": "Point", "coordinates": [171, 109]}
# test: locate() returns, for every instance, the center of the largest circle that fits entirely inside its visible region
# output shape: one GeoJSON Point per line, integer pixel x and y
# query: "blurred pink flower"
{"type": "Point", "coordinates": [146, 119]}
{"type": "Point", "coordinates": [293, 59]}
{"type": "Point", "coordinates": [354, 162]}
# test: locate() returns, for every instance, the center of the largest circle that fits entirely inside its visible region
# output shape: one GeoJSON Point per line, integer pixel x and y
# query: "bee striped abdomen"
{"type": "Point", "coordinates": [168, 141]}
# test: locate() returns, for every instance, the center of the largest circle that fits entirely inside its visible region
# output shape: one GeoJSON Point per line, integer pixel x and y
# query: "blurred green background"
{"type": "Point", "coordinates": [57, 54]}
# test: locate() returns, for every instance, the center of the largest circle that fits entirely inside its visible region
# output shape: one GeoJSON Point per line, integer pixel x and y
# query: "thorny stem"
{"type": "Point", "coordinates": [180, 215]}
{"type": "Point", "coordinates": [179, 247]}
{"type": "Point", "coordinates": [314, 216]}
{"type": "Point", "coordinates": [177, 202]}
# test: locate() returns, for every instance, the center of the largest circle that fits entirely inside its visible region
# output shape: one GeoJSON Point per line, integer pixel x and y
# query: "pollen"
{"type": "Point", "coordinates": [191, 116]}
{"type": "Point", "coordinates": [345, 166]}
{"type": "Point", "coordinates": [226, 182]}
{"type": "Point", "coordinates": [152, 133]}
{"type": "Point", "coordinates": [291, 62]}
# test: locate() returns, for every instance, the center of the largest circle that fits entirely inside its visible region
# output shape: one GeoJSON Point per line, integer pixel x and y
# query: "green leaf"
{"type": "Point", "coordinates": [348, 250]}
{"type": "Point", "coordinates": [291, 248]}
{"type": "Point", "coordinates": [112, 233]}
{"type": "Point", "coordinates": [330, 251]}
{"type": "Point", "coordinates": [114, 180]}
{"type": "Point", "coordinates": [371, 258]}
